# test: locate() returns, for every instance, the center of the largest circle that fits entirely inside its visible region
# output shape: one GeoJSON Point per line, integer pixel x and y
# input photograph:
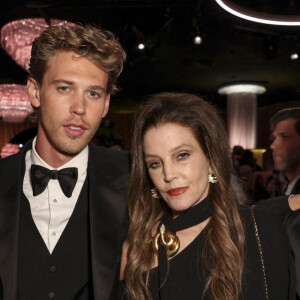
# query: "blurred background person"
{"type": "Point", "coordinates": [286, 155]}
{"type": "Point", "coordinates": [286, 147]}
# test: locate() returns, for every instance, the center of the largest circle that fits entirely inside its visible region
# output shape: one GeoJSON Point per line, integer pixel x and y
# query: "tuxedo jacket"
{"type": "Point", "coordinates": [296, 188]}
{"type": "Point", "coordinates": [293, 231]}
{"type": "Point", "coordinates": [107, 173]}
{"type": "Point", "coordinates": [292, 224]}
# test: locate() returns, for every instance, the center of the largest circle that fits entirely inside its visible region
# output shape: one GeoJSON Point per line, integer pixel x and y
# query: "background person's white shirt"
{"type": "Point", "coordinates": [291, 185]}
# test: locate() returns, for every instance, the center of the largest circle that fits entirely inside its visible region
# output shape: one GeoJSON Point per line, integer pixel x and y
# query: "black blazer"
{"type": "Point", "coordinates": [108, 173]}
{"type": "Point", "coordinates": [293, 231]}
{"type": "Point", "coordinates": [296, 188]}
{"type": "Point", "coordinates": [292, 224]}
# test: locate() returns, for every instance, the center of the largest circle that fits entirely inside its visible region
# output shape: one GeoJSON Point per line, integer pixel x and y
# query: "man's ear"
{"type": "Point", "coordinates": [106, 105]}
{"type": "Point", "coordinates": [33, 91]}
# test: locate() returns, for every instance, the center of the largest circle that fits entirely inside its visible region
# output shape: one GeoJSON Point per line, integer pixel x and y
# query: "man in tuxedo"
{"type": "Point", "coordinates": [286, 156]}
{"type": "Point", "coordinates": [62, 200]}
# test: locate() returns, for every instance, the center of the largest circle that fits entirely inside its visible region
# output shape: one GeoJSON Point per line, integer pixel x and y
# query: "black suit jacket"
{"type": "Point", "coordinates": [296, 188]}
{"type": "Point", "coordinates": [292, 223]}
{"type": "Point", "coordinates": [108, 172]}
{"type": "Point", "coordinates": [293, 231]}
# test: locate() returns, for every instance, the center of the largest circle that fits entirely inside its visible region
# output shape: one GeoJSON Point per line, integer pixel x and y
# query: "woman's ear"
{"type": "Point", "coordinates": [33, 91]}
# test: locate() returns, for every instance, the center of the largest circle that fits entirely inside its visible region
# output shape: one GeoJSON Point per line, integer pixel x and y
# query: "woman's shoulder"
{"type": "Point", "coordinates": [266, 248]}
{"type": "Point", "coordinates": [262, 213]}
{"type": "Point", "coordinates": [265, 224]}
{"type": "Point", "coordinates": [263, 219]}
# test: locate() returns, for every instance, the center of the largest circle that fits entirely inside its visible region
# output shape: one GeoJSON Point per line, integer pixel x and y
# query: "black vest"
{"type": "Point", "coordinates": [66, 273]}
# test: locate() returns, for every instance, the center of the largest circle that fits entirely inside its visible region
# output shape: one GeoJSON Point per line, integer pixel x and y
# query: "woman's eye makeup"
{"type": "Point", "coordinates": [153, 165]}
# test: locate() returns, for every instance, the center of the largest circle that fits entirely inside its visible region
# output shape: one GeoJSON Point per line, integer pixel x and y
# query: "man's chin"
{"type": "Point", "coordinates": [280, 167]}
{"type": "Point", "coordinates": [72, 148]}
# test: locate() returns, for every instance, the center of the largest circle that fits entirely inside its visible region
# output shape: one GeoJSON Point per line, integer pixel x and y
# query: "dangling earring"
{"type": "Point", "coordinates": [212, 178]}
{"type": "Point", "coordinates": [154, 193]}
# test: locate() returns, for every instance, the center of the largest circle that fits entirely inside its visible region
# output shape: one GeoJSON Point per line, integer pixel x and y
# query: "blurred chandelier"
{"type": "Point", "coordinates": [259, 17]}
{"type": "Point", "coordinates": [242, 113]}
{"type": "Point", "coordinates": [9, 149]}
{"type": "Point", "coordinates": [14, 103]}
{"type": "Point", "coordinates": [17, 37]}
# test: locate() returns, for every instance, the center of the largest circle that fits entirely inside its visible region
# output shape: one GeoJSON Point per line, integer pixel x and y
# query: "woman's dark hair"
{"type": "Point", "coordinates": [224, 242]}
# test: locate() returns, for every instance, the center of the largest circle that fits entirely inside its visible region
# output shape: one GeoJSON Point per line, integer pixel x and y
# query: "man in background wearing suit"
{"type": "Point", "coordinates": [286, 146]}
{"type": "Point", "coordinates": [62, 200]}
{"type": "Point", "coordinates": [286, 156]}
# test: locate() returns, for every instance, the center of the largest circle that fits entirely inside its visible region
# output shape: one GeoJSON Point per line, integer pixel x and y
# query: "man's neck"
{"type": "Point", "coordinates": [52, 157]}
{"type": "Point", "coordinates": [293, 174]}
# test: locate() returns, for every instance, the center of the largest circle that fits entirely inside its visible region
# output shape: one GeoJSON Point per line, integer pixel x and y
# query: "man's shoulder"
{"type": "Point", "coordinates": [8, 163]}
{"type": "Point", "coordinates": [119, 158]}
{"type": "Point", "coordinates": [10, 170]}
{"type": "Point", "coordinates": [293, 220]}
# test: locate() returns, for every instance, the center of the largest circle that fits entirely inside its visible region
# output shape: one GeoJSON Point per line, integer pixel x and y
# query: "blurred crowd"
{"type": "Point", "coordinates": [257, 183]}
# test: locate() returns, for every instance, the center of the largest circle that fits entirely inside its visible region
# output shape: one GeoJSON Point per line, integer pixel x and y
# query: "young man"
{"type": "Point", "coordinates": [62, 201]}
{"type": "Point", "coordinates": [286, 156]}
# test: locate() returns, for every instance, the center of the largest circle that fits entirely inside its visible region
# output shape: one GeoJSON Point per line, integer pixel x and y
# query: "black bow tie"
{"type": "Point", "coordinates": [40, 177]}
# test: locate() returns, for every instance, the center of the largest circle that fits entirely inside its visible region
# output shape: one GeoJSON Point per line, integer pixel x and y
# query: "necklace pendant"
{"type": "Point", "coordinates": [167, 239]}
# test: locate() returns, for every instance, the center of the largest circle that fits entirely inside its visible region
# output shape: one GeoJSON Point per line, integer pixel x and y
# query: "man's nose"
{"type": "Point", "coordinates": [274, 144]}
{"type": "Point", "coordinates": [79, 105]}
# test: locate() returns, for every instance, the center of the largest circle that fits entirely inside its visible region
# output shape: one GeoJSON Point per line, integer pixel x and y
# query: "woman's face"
{"type": "Point", "coordinates": [177, 165]}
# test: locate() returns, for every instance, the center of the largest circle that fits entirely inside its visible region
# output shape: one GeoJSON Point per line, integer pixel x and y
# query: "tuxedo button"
{"type": "Point", "coordinates": [55, 200]}
{"type": "Point", "coordinates": [52, 268]}
{"type": "Point", "coordinates": [51, 295]}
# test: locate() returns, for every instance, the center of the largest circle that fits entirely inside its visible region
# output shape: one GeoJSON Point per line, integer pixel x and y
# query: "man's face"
{"type": "Point", "coordinates": [286, 146]}
{"type": "Point", "coordinates": [72, 101]}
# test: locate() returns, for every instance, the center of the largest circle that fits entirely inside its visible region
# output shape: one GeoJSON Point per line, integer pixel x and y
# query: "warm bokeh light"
{"type": "Point", "coordinates": [14, 103]}
{"type": "Point", "coordinates": [17, 37]}
{"type": "Point", "coordinates": [197, 40]}
{"type": "Point", "coordinates": [242, 113]}
{"type": "Point", "coordinates": [9, 149]}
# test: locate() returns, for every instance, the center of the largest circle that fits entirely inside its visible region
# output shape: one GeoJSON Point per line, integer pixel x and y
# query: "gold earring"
{"type": "Point", "coordinates": [212, 178]}
{"type": "Point", "coordinates": [154, 193]}
{"type": "Point", "coordinates": [166, 239]}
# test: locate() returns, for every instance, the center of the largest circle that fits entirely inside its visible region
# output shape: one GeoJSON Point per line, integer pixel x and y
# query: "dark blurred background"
{"type": "Point", "coordinates": [232, 50]}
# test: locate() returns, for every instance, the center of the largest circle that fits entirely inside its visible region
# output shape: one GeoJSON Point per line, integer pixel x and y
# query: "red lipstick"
{"type": "Point", "coordinates": [177, 191]}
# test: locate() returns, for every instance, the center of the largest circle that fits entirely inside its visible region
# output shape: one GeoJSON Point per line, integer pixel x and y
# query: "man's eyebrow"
{"type": "Point", "coordinates": [92, 87]}
{"type": "Point", "coordinates": [97, 87]}
{"type": "Point", "coordinates": [57, 81]}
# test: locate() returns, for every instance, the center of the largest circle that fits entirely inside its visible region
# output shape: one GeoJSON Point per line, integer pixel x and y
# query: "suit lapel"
{"type": "Point", "coordinates": [107, 186]}
{"type": "Point", "coordinates": [11, 185]}
{"type": "Point", "coordinates": [293, 231]}
{"type": "Point", "coordinates": [296, 188]}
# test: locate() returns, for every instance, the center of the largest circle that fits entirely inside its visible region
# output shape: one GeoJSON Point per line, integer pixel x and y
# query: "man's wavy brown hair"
{"type": "Point", "coordinates": [100, 47]}
{"type": "Point", "coordinates": [223, 252]}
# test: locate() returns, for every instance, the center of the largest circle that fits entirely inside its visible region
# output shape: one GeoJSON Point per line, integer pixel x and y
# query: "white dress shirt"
{"type": "Point", "coordinates": [51, 210]}
{"type": "Point", "coordinates": [291, 185]}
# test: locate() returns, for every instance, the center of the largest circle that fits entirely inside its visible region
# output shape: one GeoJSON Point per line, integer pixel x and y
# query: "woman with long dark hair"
{"type": "Point", "coordinates": [188, 238]}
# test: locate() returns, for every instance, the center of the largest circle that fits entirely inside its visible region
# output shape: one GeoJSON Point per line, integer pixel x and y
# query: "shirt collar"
{"type": "Point", "coordinates": [80, 161]}
{"type": "Point", "coordinates": [291, 185]}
